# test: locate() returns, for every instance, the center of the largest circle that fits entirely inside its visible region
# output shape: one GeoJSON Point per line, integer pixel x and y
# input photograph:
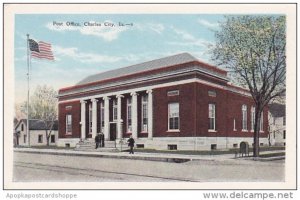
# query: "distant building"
{"type": "Point", "coordinates": [277, 120]}
{"type": "Point", "coordinates": [176, 102]}
{"type": "Point", "coordinates": [37, 133]}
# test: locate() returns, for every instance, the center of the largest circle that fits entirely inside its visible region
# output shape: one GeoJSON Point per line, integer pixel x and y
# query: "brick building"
{"type": "Point", "coordinates": [177, 102]}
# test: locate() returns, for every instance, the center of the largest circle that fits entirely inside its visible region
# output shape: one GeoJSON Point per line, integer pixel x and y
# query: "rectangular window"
{"type": "Point", "coordinates": [129, 125]}
{"type": "Point", "coordinates": [284, 121]}
{"type": "Point", "coordinates": [252, 118]}
{"type": "Point", "coordinates": [115, 110]}
{"type": "Point", "coordinates": [212, 117]}
{"type": "Point", "coordinates": [102, 116]}
{"type": "Point", "coordinates": [173, 110]}
{"type": "Point", "coordinates": [52, 139]}
{"type": "Point", "coordinates": [173, 93]}
{"type": "Point", "coordinates": [261, 125]}
{"type": "Point", "coordinates": [213, 146]}
{"type": "Point", "coordinates": [40, 138]}
{"type": "Point", "coordinates": [145, 113]}
{"type": "Point", "coordinates": [283, 134]}
{"type": "Point", "coordinates": [68, 124]}
{"type": "Point", "coordinates": [244, 118]}
{"type": "Point", "coordinates": [172, 146]}
{"type": "Point", "coordinates": [22, 127]}
{"type": "Point", "coordinates": [140, 146]}
{"type": "Point", "coordinates": [90, 118]}
{"type": "Point", "coordinates": [234, 127]}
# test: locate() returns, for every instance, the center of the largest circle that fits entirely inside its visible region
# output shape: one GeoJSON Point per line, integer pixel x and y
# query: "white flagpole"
{"type": "Point", "coordinates": [28, 133]}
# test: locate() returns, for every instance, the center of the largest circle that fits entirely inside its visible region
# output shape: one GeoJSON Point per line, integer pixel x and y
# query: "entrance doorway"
{"type": "Point", "coordinates": [113, 131]}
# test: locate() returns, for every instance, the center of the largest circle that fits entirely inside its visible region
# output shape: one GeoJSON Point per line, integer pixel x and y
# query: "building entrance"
{"type": "Point", "coordinates": [113, 131]}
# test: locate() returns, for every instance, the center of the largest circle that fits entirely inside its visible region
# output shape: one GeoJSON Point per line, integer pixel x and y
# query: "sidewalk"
{"type": "Point", "coordinates": [164, 157]}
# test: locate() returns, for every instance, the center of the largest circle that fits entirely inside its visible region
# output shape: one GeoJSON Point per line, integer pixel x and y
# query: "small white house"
{"type": "Point", "coordinates": [37, 133]}
{"type": "Point", "coordinates": [277, 122]}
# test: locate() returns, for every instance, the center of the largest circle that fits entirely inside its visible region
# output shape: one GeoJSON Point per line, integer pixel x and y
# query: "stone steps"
{"type": "Point", "coordinates": [88, 145]}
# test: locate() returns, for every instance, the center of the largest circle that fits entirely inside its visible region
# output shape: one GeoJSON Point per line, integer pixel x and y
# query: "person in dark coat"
{"type": "Point", "coordinates": [101, 139]}
{"type": "Point", "coordinates": [131, 144]}
{"type": "Point", "coordinates": [97, 141]}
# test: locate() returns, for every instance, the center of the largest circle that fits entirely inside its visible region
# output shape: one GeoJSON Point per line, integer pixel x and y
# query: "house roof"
{"type": "Point", "coordinates": [141, 67]}
{"type": "Point", "coordinates": [277, 110]}
{"type": "Point", "coordinates": [35, 124]}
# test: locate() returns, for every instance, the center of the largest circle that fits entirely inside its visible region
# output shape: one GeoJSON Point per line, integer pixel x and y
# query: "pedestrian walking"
{"type": "Point", "coordinates": [131, 144]}
{"type": "Point", "coordinates": [101, 139]}
{"type": "Point", "coordinates": [97, 141]}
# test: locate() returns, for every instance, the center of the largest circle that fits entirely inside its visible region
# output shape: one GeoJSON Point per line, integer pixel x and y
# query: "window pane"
{"type": "Point", "coordinates": [211, 116]}
{"type": "Point", "coordinates": [261, 126]}
{"type": "Point", "coordinates": [244, 115]}
{"type": "Point", "coordinates": [68, 123]}
{"type": "Point", "coordinates": [212, 124]}
{"type": "Point", "coordinates": [145, 120]}
{"type": "Point", "coordinates": [52, 138]}
{"type": "Point", "coordinates": [211, 110]}
{"type": "Point", "coordinates": [176, 123]}
{"type": "Point", "coordinates": [171, 123]}
{"type": "Point", "coordinates": [129, 127]}
{"type": "Point", "coordinates": [174, 116]}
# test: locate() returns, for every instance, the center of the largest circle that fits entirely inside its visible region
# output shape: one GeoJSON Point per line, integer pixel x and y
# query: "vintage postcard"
{"type": "Point", "coordinates": [150, 96]}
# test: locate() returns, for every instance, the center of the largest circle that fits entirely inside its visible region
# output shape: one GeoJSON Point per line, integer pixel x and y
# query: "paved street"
{"type": "Point", "coordinates": [47, 167]}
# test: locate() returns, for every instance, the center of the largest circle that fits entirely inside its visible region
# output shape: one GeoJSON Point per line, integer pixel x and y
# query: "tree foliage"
{"type": "Point", "coordinates": [253, 48]}
{"type": "Point", "coordinates": [43, 106]}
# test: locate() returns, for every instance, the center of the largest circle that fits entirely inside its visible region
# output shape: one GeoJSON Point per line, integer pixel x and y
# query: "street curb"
{"type": "Point", "coordinates": [263, 159]}
{"type": "Point", "coordinates": [133, 157]}
{"type": "Point", "coordinates": [272, 158]}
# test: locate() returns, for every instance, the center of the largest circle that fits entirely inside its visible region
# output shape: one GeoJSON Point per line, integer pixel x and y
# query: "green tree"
{"type": "Point", "coordinates": [43, 106]}
{"type": "Point", "coordinates": [253, 49]}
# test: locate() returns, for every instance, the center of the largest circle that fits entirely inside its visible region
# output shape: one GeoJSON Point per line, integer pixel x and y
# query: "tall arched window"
{"type": "Point", "coordinates": [252, 118]}
{"type": "Point", "coordinates": [129, 122]}
{"type": "Point", "coordinates": [144, 114]}
{"type": "Point", "coordinates": [261, 125]}
{"type": "Point", "coordinates": [244, 117]}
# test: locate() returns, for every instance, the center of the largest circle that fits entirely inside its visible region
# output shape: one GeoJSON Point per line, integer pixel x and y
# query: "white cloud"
{"type": "Point", "coordinates": [75, 54]}
{"type": "Point", "coordinates": [187, 39]}
{"type": "Point", "coordinates": [185, 35]}
{"type": "Point", "coordinates": [105, 32]}
{"type": "Point", "coordinates": [158, 28]}
{"type": "Point", "coordinates": [155, 27]}
{"type": "Point", "coordinates": [208, 24]}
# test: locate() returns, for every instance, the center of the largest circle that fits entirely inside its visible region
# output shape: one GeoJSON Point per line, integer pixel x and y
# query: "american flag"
{"type": "Point", "coordinates": [40, 50]}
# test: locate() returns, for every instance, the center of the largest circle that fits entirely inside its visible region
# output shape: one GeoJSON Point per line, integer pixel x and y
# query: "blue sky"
{"type": "Point", "coordinates": [85, 50]}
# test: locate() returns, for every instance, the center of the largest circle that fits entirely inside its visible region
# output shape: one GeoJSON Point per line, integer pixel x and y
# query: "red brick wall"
{"type": "Point", "coordinates": [203, 100]}
{"type": "Point", "coordinates": [193, 102]}
{"type": "Point", "coordinates": [235, 103]}
{"type": "Point", "coordinates": [75, 112]}
{"type": "Point", "coordinates": [187, 109]}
